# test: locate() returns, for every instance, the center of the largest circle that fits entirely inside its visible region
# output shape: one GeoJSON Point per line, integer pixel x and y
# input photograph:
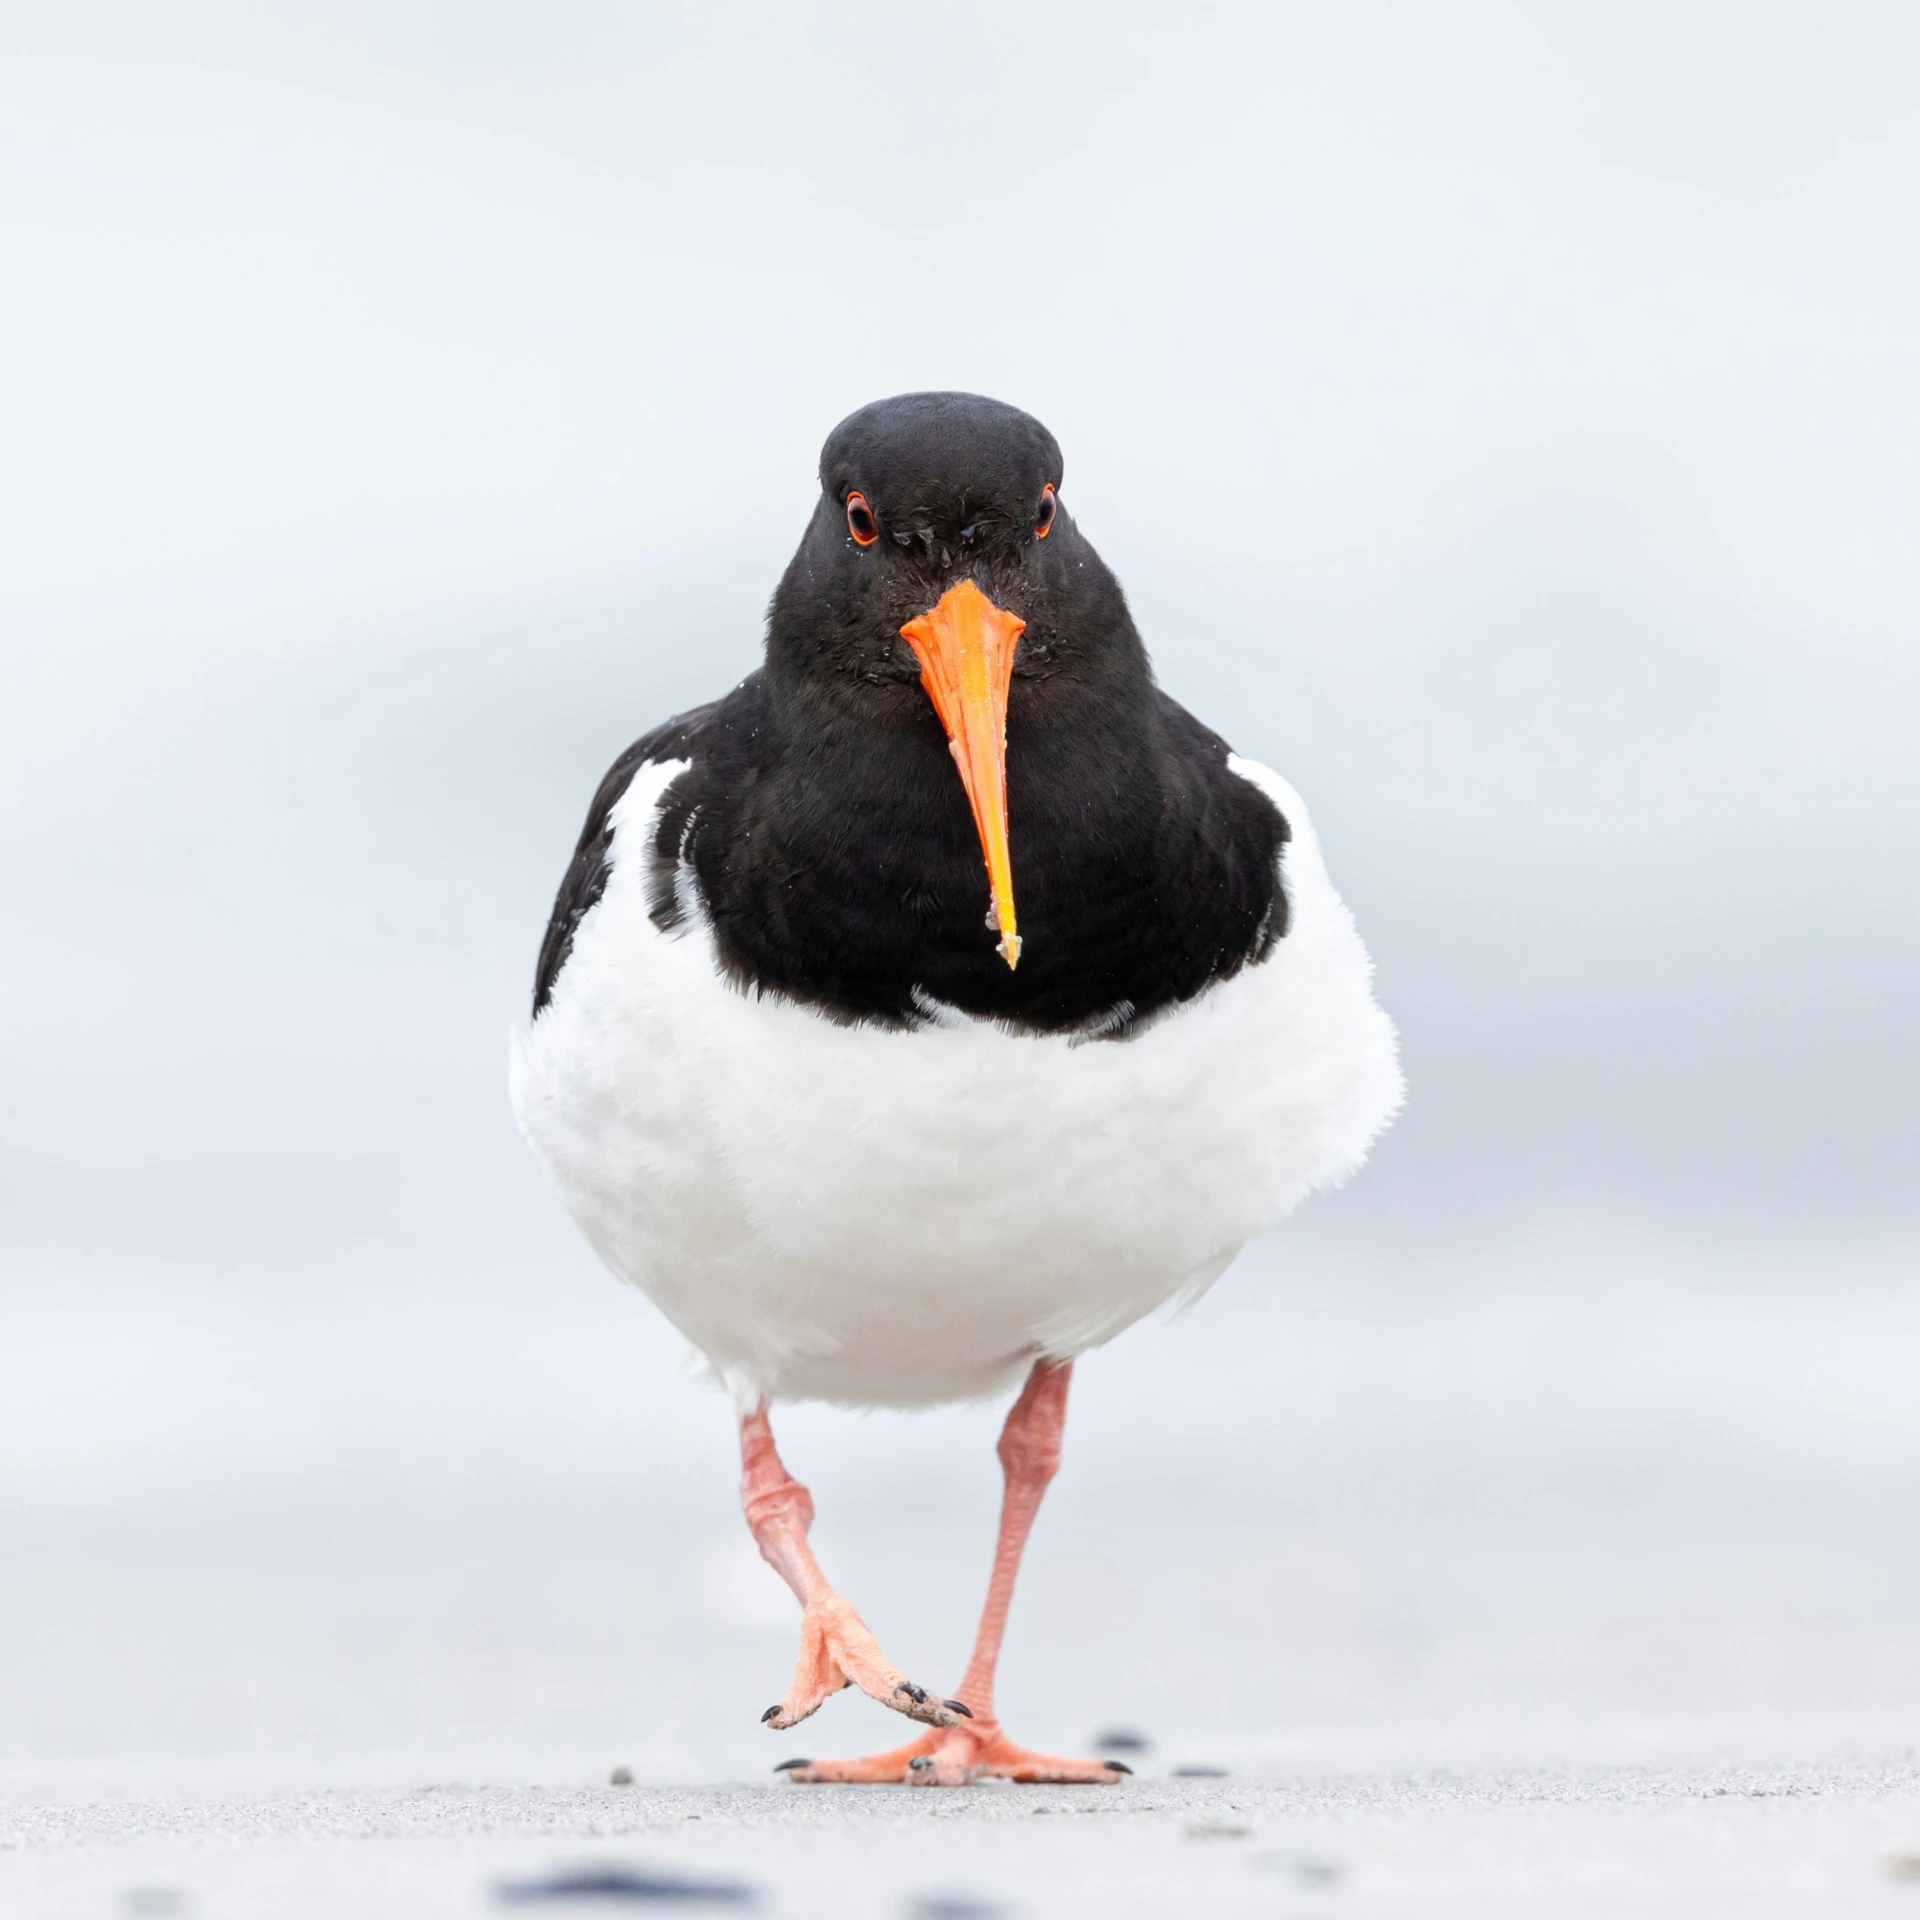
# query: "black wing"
{"type": "Point", "coordinates": [586, 877]}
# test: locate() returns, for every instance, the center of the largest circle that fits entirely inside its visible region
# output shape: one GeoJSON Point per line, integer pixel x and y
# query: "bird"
{"type": "Point", "coordinates": [936, 1004]}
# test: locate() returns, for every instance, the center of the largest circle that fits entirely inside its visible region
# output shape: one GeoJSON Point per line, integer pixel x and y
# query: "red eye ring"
{"type": "Point", "coordinates": [861, 524]}
{"type": "Point", "coordinates": [1049, 504]}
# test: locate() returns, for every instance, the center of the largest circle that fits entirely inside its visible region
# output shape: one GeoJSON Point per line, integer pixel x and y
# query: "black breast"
{"type": "Point", "coordinates": [842, 870]}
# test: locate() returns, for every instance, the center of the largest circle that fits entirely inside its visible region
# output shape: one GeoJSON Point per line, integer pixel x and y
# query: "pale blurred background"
{"type": "Point", "coordinates": [1504, 421]}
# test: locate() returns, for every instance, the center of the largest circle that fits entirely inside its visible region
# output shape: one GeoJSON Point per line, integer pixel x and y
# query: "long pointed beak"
{"type": "Point", "coordinates": [965, 646]}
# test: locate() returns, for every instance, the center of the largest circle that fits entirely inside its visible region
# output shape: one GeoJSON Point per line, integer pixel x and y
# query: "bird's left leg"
{"type": "Point", "coordinates": [836, 1650]}
{"type": "Point", "coordinates": [980, 1750]}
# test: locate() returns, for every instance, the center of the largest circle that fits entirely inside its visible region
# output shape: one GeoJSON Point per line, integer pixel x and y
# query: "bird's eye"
{"type": "Point", "coordinates": [860, 521]}
{"type": "Point", "coordinates": [1044, 524]}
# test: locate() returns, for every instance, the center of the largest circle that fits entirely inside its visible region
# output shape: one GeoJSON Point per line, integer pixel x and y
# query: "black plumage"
{"type": "Point", "coordinates": [821, 818]}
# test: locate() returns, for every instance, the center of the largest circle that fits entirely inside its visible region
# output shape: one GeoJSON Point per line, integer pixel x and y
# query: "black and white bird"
{"type": "Point", "coordinates": [937, 1003]}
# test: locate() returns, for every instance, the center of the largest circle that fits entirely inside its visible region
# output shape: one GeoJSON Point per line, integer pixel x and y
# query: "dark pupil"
{"type": "Point", "coordinates": [862, 519]}
{"type": "Point", "coordinates": [1046, 513]}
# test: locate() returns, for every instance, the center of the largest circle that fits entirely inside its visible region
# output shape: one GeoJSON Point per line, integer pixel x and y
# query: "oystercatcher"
{"type": "Point", "coordinates": [937, 1003]}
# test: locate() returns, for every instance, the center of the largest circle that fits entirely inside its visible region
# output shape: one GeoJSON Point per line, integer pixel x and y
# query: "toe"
{"type": "Point", "coordinates": [805, 1699]}
{"type": "Point", "coordinates": [837, 1651]}
{"type": "Point", "coordinates": [1001, 1759]}
{"type": "Point", "coordinates": [1043, 1770]}
{"type": "Point", "coordinates": [855, 1655]}
{"type": "Point", "coordinates": [952, 1763]}
{"type": "Point", "coordinates": [876, 1770]}
{"type": "Point", "coordinates": [783, 1717]}
{"type": "Point", "coordinates": [918, 1704]}
{"type": "Point", "coordinates": [933, 1760]}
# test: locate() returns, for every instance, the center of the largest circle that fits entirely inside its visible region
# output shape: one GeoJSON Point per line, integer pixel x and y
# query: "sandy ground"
{"type": "Point", "coordinates": [341, 1730]}
{"type": "Point", "coordinates": [1840, 1838]}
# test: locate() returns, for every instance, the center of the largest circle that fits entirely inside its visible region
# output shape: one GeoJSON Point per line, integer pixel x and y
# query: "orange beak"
{"type": "Point", "coordinates": [965, 646]}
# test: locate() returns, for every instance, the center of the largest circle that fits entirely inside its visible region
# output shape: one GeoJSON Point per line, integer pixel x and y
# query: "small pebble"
{"type": "Point", "coordinates": [1120, 1740]}
{"type": "Point", "coordinates": [953, 1906]}
{"type": "Point", "coordinates": [1217, 1830]}
{"type": "Point", "coordinates": [1199, 1773]}
{"type": "Point", "coordinates": [620, 1777]}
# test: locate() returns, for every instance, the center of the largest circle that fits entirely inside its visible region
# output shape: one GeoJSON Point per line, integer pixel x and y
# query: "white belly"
{"type": "Point", "coordinates": [896, 1218]}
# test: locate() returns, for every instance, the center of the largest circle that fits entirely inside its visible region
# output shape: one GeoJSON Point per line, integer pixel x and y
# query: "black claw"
{"type": "Point", "coordinates": [918, 1695]}
{"type": "Point", "coordinates": [787, 1766]}
{"type": "Point", "coordinates": [919, 1763]}
{"type": "Point", "coordinates": [960, 1706]}
{"type": "Point", "coordinates": [770, 1712]}
{"type": "Point", "coordinates": [1116, 1766]}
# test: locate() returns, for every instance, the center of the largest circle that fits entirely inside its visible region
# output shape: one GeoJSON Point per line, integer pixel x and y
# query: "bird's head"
{"type": "Point", "coordinates": [941, 564]}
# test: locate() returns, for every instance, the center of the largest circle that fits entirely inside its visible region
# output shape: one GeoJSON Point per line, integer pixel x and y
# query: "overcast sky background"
{"type": "Point", "coordinates": [1504, 419]}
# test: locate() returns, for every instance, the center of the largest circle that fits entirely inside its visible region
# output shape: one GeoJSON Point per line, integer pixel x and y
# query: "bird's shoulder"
{"type": "Point", "coordinates": [1254, 808]}
{"type": "Point", "coordinates": [1226, 825]}
{"type": "Point", "coordinates": [695, 736]}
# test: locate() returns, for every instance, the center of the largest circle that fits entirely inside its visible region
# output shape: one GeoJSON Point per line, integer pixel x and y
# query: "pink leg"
{"type": "Point", "coordinates": [978, 1749]}
{"type": "Point", "coordinates": [836, 1650]}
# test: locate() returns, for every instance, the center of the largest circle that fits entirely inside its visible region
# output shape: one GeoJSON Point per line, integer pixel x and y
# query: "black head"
{"type": "Point", "coordinates": [943, 474]}
{"type": "Point", "coordinates": [918, 493]}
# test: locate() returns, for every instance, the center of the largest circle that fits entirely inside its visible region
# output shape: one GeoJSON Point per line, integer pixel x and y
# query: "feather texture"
{"type": "Point", "coordinates": [886, 1215]}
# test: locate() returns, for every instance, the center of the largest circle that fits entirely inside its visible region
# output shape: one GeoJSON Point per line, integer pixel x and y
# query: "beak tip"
{"type": "Point", "coordinates": [1010, 950]}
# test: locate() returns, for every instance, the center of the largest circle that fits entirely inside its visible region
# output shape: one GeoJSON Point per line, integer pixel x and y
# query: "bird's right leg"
{"type": "Point", "coordinates": [1030, 1456]}
{"type": "Point", "coordinates": [836, 1650]}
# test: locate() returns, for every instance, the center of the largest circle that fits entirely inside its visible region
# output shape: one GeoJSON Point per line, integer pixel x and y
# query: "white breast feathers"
{"type": "Point", "coordinates": [895, 1218]}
